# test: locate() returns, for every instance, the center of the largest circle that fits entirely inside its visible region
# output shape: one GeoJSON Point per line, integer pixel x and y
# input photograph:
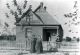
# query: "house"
{"type": "Point", "coordinates": [39, 23]}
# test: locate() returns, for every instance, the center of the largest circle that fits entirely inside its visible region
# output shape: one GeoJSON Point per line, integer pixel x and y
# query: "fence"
{"type": "Point", "coordinates": [70, 45]}
{"type": "Point", "coordinates": [63, 46]}
{"type": "Point", "coordinates": [46, 45]}
{"type": "Point", "coordinates": [12, 45]}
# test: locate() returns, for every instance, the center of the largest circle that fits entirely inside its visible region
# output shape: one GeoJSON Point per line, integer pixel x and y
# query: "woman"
{"type": "Point", "coordinates": [33, 44]}
{"type": "Point", "coordinates": [39, 47]}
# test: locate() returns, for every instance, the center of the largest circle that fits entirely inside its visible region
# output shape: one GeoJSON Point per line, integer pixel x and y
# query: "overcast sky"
{"type": "Point", "coordinates": [54, 7]}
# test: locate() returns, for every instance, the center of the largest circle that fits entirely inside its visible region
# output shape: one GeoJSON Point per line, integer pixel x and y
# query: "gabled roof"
{"type": "Point", "coordinates": [37, 8]}
{"type": "Point", "coordinates": [40, 16]}
{"type": "Point", "coordinates": [35, 18]}
{"type": "Point", "coordinates": [24, 14]}
{"type": "Point", "coordinates": [28, 13]}
{"type": "Point", "coordinates": [45, 16]}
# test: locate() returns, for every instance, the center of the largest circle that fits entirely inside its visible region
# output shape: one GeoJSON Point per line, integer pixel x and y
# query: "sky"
{"type": "Point", "coordinates": [56, 8]}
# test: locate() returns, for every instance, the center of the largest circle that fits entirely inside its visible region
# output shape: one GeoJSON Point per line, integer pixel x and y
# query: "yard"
{"type": "Point", "coordinates": [14, 48]}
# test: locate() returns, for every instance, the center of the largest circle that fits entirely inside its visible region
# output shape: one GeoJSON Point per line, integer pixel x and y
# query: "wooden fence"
{"type": "Point", "coordinates": [22, 45]}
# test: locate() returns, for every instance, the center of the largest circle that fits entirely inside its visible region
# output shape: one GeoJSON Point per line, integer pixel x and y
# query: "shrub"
{"type": "Point", "coordinates": [68, 38]}
{"type": "Point", "coordinates": [11, 37]}
{"type": "Point", "coordinates": [3, 37]}
{"type": "Point", "coordinates": [8, 37]}
{"type": "Point", "coordinates": [77, 39]}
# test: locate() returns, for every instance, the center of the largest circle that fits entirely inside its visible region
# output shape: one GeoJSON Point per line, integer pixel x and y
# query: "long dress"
{"type": "Point", "coordinates": [33, 44]}
{"type": "Point", "coordinates": [39, 47]}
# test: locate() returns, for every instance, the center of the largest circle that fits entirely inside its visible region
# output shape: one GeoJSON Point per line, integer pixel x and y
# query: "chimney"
{"type": "Point", "coordinates": [30, 6]}
{"type": "Point", "coordinates": [41, 4]}
{"type": "Point", "coordinates": [44, 7]}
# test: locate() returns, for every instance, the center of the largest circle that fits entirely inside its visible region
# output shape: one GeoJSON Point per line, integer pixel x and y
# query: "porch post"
{"type": "Point", "coordinates": [57, 30]}
{"type": "Point", "coordinates": [57, 43]}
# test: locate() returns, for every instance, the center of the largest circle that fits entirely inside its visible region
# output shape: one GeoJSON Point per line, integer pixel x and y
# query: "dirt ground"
{"type": "Point", "coordinates": [10, 48]}
{"type": "Point", "coordinates": [14, 52]}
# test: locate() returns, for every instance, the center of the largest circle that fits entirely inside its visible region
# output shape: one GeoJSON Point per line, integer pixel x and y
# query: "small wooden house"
{"type": "Point", "coordinates": [38, 23]}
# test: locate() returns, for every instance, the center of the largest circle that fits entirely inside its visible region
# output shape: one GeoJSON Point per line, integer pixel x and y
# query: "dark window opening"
{"type": "Point", "coordinates": [47, 34]}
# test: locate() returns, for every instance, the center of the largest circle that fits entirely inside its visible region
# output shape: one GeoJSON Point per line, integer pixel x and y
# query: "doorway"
{"type": "Point", "coordinates": [47, 34]}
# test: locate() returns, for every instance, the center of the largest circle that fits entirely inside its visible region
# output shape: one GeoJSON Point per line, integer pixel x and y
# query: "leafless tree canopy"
{"type": "Point", "coordinates": [18, 12]}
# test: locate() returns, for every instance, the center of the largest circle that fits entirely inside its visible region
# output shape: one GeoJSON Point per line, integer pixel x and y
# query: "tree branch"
{"type": "Point", "coordinates": [25, 3]}
{"type": "Point", "coordinates": [8, 5]}
{"type": "Point", "coordinates": [15, 2]}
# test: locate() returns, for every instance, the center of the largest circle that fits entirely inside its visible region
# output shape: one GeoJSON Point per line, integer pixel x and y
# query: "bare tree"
{"type": "Point", "coordinates": [19, 12]}
{"type": "Point", "coordinates": [73, 16]}
{"type": "Point", "coordinates": [15, 10]}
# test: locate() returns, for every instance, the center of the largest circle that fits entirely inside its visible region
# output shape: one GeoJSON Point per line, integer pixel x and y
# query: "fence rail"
{"type": "Point", "coordinates": [22, 45]}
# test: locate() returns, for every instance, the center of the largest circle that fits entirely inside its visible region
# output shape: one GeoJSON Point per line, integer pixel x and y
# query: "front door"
{"type": "Point", "coordinates": [49, 38]}
{"type": "Point", "coordinates": [49, 34]}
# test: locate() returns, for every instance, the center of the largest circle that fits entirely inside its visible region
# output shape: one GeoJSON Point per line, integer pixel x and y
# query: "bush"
{"type": "Point", "coordinates": [8, 37]}
{"type": "Point", "coordinates": [11, 37]}
{"type": "Point", "coordinates": [77, 39]}
{"type": "Point", "coordinates": [68, 38]}
{"type": "Point", "coordinates": [3, 37]}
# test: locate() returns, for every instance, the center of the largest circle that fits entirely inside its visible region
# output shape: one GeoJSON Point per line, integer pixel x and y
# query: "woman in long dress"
{"type": "Point", "coordinates": [39, 46]}
{"type": "Point", "coordinates": [33, 44]}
